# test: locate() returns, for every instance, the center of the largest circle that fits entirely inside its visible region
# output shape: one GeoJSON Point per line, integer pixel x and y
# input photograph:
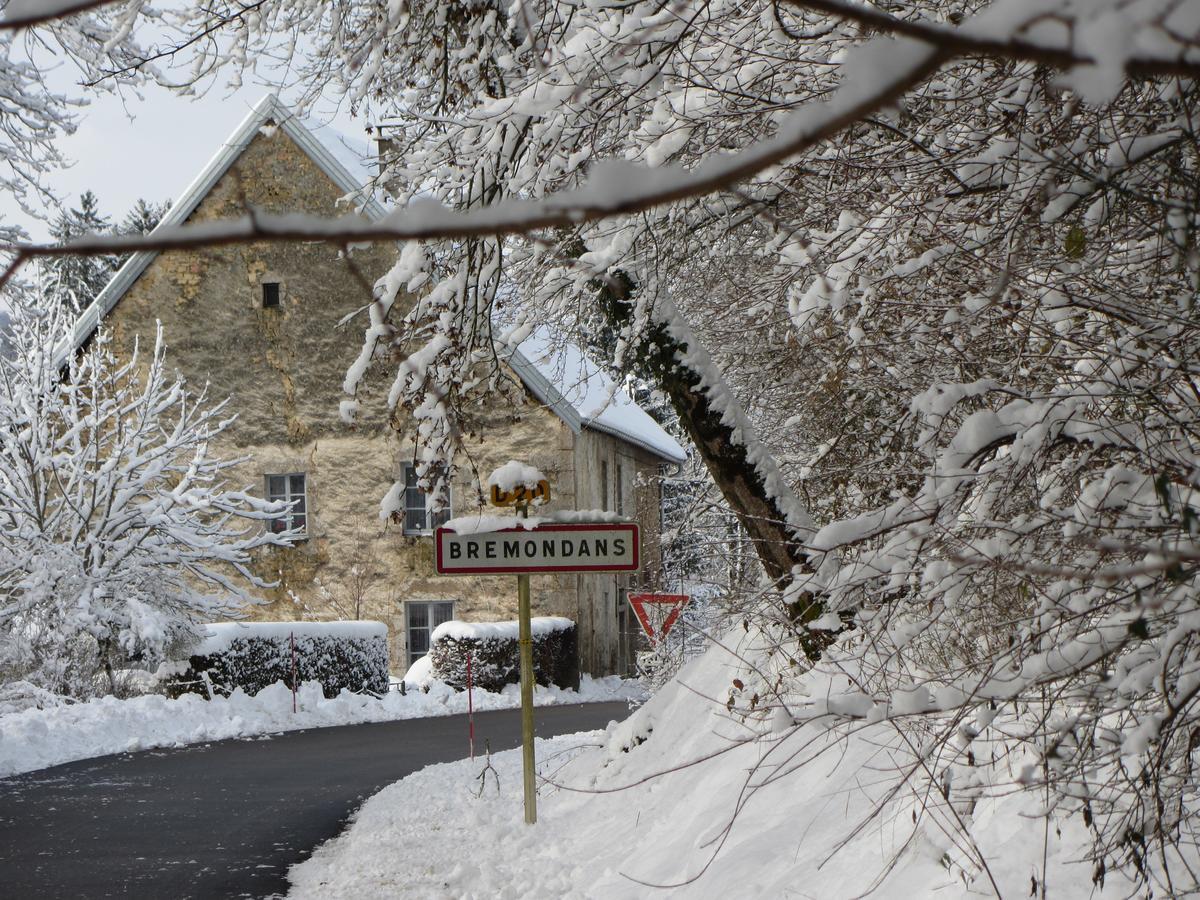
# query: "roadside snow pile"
{"type": "Point", "coordinates": [37, 738]}
{"type": "Point", "coordinates": [685, 795]}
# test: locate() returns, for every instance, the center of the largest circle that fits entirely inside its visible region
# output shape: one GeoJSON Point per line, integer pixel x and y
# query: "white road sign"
{"type": "Point", "coordinates": [600, 547]}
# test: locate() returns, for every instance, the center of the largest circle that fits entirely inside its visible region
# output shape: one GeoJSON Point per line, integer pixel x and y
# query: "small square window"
{"type": "Point", "coordinates": [417, 517]}
{"type": "Point", "coordinates": [288, 489]}
{"type": "Point", "coordinates": [270, 294]}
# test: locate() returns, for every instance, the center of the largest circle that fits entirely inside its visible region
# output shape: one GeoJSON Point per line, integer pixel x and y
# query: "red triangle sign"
{"type": "Point", "coordinates": [676, 602]}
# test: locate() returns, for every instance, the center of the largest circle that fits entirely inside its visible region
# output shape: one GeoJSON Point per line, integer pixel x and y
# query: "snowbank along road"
{"type": "Point", "coordinates": [225, 819]}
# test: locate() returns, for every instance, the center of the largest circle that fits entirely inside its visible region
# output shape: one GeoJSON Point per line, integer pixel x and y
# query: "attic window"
{"type": "Point", "coordinates": [270, 291]}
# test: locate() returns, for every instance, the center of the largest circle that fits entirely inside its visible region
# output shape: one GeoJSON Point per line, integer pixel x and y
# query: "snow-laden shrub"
{"type": "Point", "coordinates": [496, 657]}
{"type": "Point", "coordinates": [121, 532]}
{"type": "Point", "coordinates": [338, 655]}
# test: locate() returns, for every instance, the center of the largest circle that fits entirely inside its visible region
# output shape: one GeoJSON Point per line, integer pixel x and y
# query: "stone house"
{"type": "Point", "coordinates": [260, 323]}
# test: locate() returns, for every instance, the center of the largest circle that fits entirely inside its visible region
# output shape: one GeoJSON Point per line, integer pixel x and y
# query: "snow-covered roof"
{"type": "Point", "coordinates": [562, 377]}
{"type": "Point", "coordinates": [558, 375]}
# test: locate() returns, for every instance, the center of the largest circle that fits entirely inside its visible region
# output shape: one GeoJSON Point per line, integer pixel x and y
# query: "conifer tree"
{"type": "Point", "coordinates": [74, 281]}
{"type": "Point", "coordinates": [144, 217]}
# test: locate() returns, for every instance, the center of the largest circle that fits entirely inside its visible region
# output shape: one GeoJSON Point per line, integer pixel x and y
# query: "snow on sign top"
{"type": "Point", "coordinates": [515, 474]}
{"type": "Point", "coordinates": [516, 483]}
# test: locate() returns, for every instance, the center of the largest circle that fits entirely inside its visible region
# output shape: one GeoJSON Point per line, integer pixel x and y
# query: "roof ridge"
{"type": "Point", "coordinates": [268, 108]}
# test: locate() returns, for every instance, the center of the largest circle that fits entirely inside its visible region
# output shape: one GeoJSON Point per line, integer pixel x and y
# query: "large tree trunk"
{"type": "Point", "coordinates": [741, 483]}
{"type": "Point", "coordinates": [661, 354]}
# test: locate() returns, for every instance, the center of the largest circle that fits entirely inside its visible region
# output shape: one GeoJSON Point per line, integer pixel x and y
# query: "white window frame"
{"type": "Point", "coordinates": [432, 519]}
{"type": "Point", "coordinates": [289, 495]}
{"type": "Point", "coordinates": [435, 614]}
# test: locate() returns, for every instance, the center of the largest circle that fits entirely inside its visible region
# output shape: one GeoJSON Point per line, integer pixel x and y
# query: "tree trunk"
{"type": "Point", "coordinates": [661, 356]}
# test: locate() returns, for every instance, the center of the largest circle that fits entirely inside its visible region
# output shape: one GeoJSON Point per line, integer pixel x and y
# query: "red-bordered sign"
{"type": "Point", "coordinates": [639, 602]}
{"type": "Point", "coordinates": [583, 547]}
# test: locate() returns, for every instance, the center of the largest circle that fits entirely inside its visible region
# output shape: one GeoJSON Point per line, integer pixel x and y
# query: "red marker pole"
{"type": "Point", "coordinates": [293, 672]}
{"type": "Point", "coordinates": [470, 709]}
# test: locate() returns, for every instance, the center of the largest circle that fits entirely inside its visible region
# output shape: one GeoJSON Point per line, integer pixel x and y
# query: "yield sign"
{"type": "Point", "coordinates": [673, 604]}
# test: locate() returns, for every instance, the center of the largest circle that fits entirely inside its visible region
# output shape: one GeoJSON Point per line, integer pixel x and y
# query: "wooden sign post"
{"type": "Point", "coordinates": [525, 643]}
{"type": "Point", "coordinates": [574, 547]}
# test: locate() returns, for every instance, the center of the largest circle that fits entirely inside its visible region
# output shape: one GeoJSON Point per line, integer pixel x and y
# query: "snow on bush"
{"type": "Point", "coordinates": [495, 653]}
{"type": "Point", "coordinates": [351, 656]}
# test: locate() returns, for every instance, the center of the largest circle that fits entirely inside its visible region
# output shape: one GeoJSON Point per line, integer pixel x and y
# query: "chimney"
{"type": "Point", "coordinates": [385, 151]}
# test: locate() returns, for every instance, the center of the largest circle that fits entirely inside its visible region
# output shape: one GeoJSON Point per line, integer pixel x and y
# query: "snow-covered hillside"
{"type": "Point", "coordinates": [688, 796]}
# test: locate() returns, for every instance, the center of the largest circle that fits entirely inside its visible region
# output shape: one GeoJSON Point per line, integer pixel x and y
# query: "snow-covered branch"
{"type": "Point", "coordinates": [612, 188]}
{"type": "Point", "coordinates": [1066, 37]}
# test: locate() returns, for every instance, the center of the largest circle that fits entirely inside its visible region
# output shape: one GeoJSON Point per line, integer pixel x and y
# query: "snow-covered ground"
{"type": "Point", "coordinates": [36, 738]}
{"type": "Point", "coordinates": [683, 794]}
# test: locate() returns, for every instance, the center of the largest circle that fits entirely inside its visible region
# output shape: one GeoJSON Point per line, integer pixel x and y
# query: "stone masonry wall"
{"type": "Point", "coordinates": [283, 369]}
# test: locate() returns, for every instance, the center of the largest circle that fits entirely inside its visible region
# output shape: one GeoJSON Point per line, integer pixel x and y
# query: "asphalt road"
{"type": "Point", "coordinates": [224, 819]}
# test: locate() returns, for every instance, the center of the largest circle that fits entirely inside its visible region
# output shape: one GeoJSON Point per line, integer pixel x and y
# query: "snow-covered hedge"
{"type": "Point", "coordinates": [495, 653]}
{"type": "Point", "coordinates": [253, 655]}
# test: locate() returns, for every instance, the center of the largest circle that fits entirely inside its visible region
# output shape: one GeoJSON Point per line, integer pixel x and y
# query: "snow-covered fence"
{"type": "Point", "coordinates": [253, 655]}
{"type": "Point", "coordinates": [495, 653]}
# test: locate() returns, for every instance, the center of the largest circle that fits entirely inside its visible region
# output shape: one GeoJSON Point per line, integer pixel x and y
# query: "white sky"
{"type": "Point", "coordinates": [151, 147]}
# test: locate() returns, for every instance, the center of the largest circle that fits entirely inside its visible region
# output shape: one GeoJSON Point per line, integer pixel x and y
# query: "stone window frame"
{"type": "Point", "coordinates": [412, 492]}
{"type": "Point", "coordinates": [288, 495]}
{"type": "Point", "coordinates": [433, 617]}
{"type": "Point", "coordinates": [270, 278]}
{"type": "Point", "coordinates": [278, 299]}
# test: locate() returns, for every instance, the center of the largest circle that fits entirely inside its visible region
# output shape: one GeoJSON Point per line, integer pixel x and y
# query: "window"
{"type": "Point", "coordinates": [288, 489]}
{"type": "Point", "coordinates": [270, 296]}
{"type": "Point", "coordinates": [604, 484]}
{"type": "Point", "coordinates": [422, 617]}
{"type": "Point", "coordinates": [620, 490]}
{"type": "Point", "coordinates": [417, 517]}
